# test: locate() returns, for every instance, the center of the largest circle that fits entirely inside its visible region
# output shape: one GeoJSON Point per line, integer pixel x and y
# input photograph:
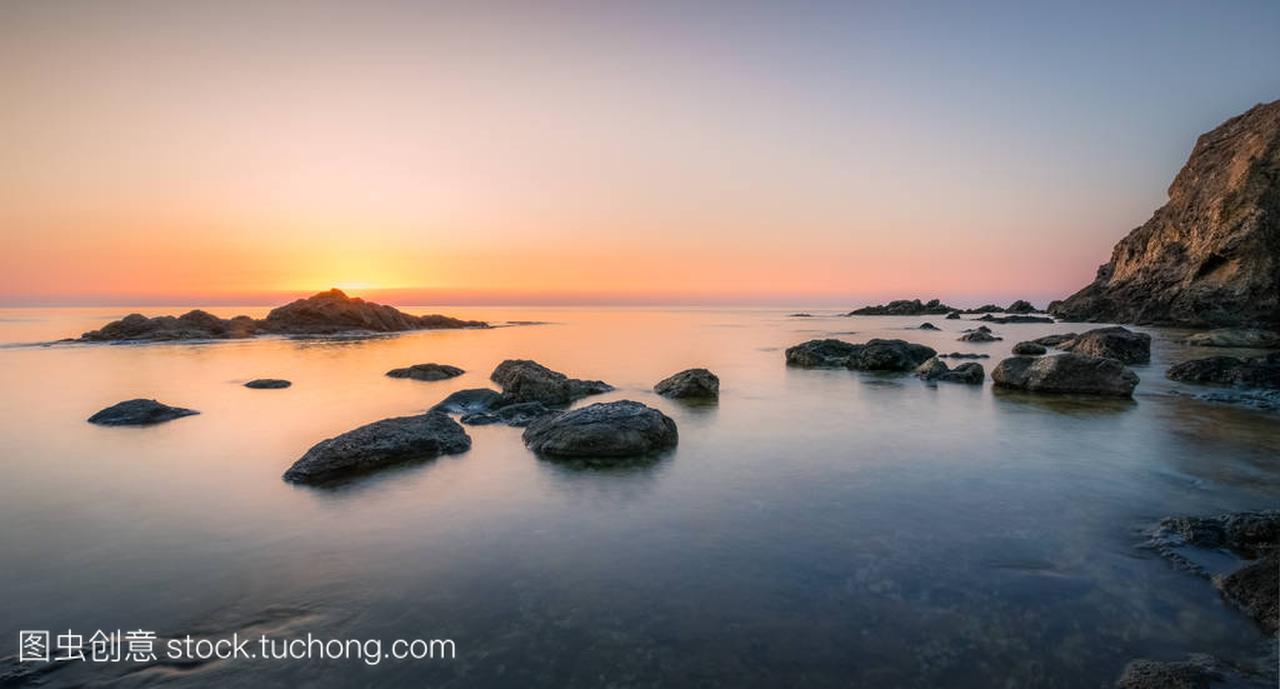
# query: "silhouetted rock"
{"type": "Point", "coordinates": [928, 326]}
{"type": "Point", "coordinates": [1029, 349]}
{"type": "Point", "coordinates": [1021, 306]}
{"type": "Point", "coordinates": [964, 355]}
{"type": "Point", "coordinates": [904, 307]}
{"type": "Point", "coordinates": [799, 315]}
{"type": "Point", "coordinates": [1208, 257]}
{"type": "Point", "coordinates": [1066, 374]}
{"type": "Point", "coordinates": [518, 414]}
{"type": "Point", "coordinates": [979, 334]}
{"type": "Point", "coordinates": [325, 313]}
{"type": "Point", "coordinates": [428, 372]}
{"type": "Point", "coordinates": [1116, 342]}
{"type": "Point", "coordinates": [268, 384]}
{"type": "Point", "coordinates": [528, 381]}
{"type": "Point", "coordinates": [953, 316]}
{"type": "Point", "coordinates": [690, 383]}
{"type": "Point", "coordinates": [139, 412]}
{"type": "Point", "coordinates": [604, 430]}
{"type": "Point", "coordinates": [379, 444]}
{"type": "Point", "coordinates": [1236, 337]}
{"type": "Point", "coordinates": [1016, 319]}
{"type": "Point", "coordinates": [472, 400]}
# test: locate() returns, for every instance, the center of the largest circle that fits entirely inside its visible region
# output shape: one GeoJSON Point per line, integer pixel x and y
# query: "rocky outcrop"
{"type": "Point", "coordinates": [1211, 255]}
{"type": "Point", "coordinates": [1021, 306]}
{"type": "Point", "coordinates": [904, 307]}
{"type": "Point", "coordinates": [518, 414]}
{"type": "Point", "coordinates": [326, 313]}
{"type": "Point", "coordinates": [1115, 343]}
{"type": "Point", "coordinates": [694, 383]}
{"type": "Point", "coordinates": [1199, 672]}
{"type": "Point", "coordinates": [1066, 374]}
{"type": "Point", "coordinates": [936, 370]}
{"type": "Point", "coordinates": [606, 430]}
{"type": "Point", "coordinates": [980, 334]}
{"type": "Point", "coordinates": [1236, 337]}
{"type": "Point", "coordinates": [427, 372]}
{"type": "Point", "coordinates": [528, 381]}
{"type": "Point", "coordinates": [1029, 349]}
{"type": "Point", "coordinates": [985, 308]}
{"type": "Point", "coordinates": [139, 412]}
{"type": "Point", "coordinates": [875, 355]}
{"type": "Point", "coordinates": [1255, 589]}
{"type": "Point", "coordinates": [268, 384]}
{"type": "Point", "coordinates": [1016, 318]}
{"type": "Point", "coordinates": [1257, 372]}
{"type": "Point", "coordinates": [379, 444]}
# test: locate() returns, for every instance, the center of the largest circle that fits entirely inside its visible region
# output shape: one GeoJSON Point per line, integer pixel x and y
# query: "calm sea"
{"type": "Point", "coordinates": [814, 528]}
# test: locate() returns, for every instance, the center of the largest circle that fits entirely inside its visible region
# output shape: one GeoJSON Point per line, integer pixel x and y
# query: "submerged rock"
{"type": "Point", "coordinates": [325, 313]}
{"type": "Point", "coordinates": [1258, 372]}
{"type": "Point", "coordinates": [1029, 349]}
{"type": "Point", "coordinates": [936, 370]}
{"type": "Point", "coordinates": [528, 381]}
{"type": "Point", "coordinates": [980, 334]}
{"type": "Point", "coordinates": [518, 414]}
{"type": "Point", "coordinates": [268, 384]}
{"type": "Point", "coordinates": [1116, 342]}
{"type": "Point", "coordinates": [1255, 589]}
{"type": "Point", "coordinates": [927, 326]}
{"type": "Point", "coordinates": [690, 383]}
{"type": "Point", "coordinates": [953, 316]}
{"type": "Point", "coordinates": [139, 412]}
{"type": "Point", "coordinates": [1236, 337]}
{"type": "Point", "coordinates": [603, 430]}
{"type": "Point", "coordinates": [471, 400]}
{"type": "Point", "coordinates": [378, 444]}
{"type": "Point", "coordinates": [1208, 256]}
{"type": "Point", "coordinates": [1066, 374]}
{"type": "Point", "coordinates": [428, 372]}
{"type": "Point", "coordinates": [904, 307]}
{"type": "Point", "coordinates": [964, 355]}
{"type": "Point", "coordinates": [1200, 672]}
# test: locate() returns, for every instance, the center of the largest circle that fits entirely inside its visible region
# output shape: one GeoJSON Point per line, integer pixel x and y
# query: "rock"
{"type": "Point", "coordinates": [472, 400]}
{"type": "Point", "coordinates": [968, 373]}
{"type": "Point", "coordinates": [428, 372]}
{"type": "Point", "coordinates": [1066, 373]}
{"type": "Point", "coordinates": [1236, 337]}
{"type": "Point", "coordinates": [1200, 672]}
{"type": "Point", "coordinates": [986, 308]}
{"type": "Point", "coordinates": [904, 307]}
{"type": "Point", "coordinates": [936, 370]}
{"type": "Point", "coordinates": [268, 384]}
{"type": "Point", "coordinates": [928, 326]}
{"type": "Point", "coordinates": [379, 444]}
{"type": "Point", "coordinates": [827, 353]}
{"type": "Point", "coordinates": [981, 334]}
{"type": "Point", "coordinates": [1021, 306]}
{"type": "Point", "coordinates": [1208, 257]}
{"type": "Point", "coordinates": [931, 369]}
{"type": "Point", "coordinates": [953, 316]}
{"type": "Point", "coordinates": [1248, 534]}
{"type": "Point", "coordinates": [875, 355]}
{"type": "Point", "coordinates": [691, 383]}
{"type": "Point", "coordinates": [1255, 589]}
{"type": "Point", "coordinates": [1016, 319]}
{"type": "Point", "coordinates": [1116, 342]}
{"type": "Point", "coordinates": [964, 355]}
{"type": "Point", "coordinates": [325, 313]}
{"type": "Point", "coordinates": [799, 315]}
{"type": "Point", "coordinates": [1257, 372]}
{"type": "Point", "coordinates": [518, 414]}
{"type": "Point", "coordinates": [138, 412]}
{"type": "Point", "coordinates": [603, 430]}
{"type": "Point", "coordinates": [528, 381]}
{"type": "Point", "coordinates": [1029, 349]}
{"type": "Point", "coordinates": [1055, 340]}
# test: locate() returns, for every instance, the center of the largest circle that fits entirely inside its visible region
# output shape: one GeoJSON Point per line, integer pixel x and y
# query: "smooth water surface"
{"type": "Point", "coordinates": [813, 528]}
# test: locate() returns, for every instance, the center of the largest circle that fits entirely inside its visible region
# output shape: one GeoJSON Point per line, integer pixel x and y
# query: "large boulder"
{"type": "Point", "coordinates": [889, 355]}
{"type": "Point", "coordinates": [379, 444]}
{"type": "Point", "coordinates": [904, 307]}
{"type": "Point", "coordinates": [1029, 349]}
{"type": "Point", "coordinates": [1256, 372]}
{"type": "Point", "coordinates": [1200, 672]}
{"type": "Point", "coordinates": [1055, 340]}
{"type": "Point", "coordinates": [1211, 255]}
{"type": "Point", "coordinates": [427, 372]}
{"type": "Point", "coordinates": [528, 381]}
{"type": "Point", "coordinates": [1116, 342]}
{"type": "Point", "coordinates": [980, 334]}
{"type": "Point", "coordinates": [1236, 337]}
{"type": "Point", "coordinates": [828, 353]}
{"type": "Point", "coordinates": [694, 383]}
{"type": "Point", "coordinates": [1255, 589]}
{"type": "Point", "coordinates": [1066, 373]}
{"type": "Point", "coordinates": [139, 412]}
{"type": "Point", "coordinates": [936, 370]}
{"type": "Point", "coordinates": [604, 430]}
{"type": "Point", "coordinates": [326, 313]}
{"type": "Point", "coordinates": [1021, 306]}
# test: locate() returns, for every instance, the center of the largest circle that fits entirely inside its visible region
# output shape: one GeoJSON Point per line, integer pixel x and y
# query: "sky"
{"type": "Point", "coordinates": [597, 152]}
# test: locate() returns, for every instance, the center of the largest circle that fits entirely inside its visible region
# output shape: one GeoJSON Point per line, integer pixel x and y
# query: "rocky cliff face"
{"type": "Point", "coordinates": [1211, 255]}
